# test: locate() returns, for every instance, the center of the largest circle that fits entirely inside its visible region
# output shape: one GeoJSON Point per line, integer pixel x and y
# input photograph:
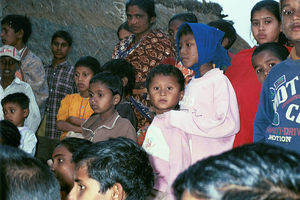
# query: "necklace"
{"type": "Point", "coordinates": [81, 116]}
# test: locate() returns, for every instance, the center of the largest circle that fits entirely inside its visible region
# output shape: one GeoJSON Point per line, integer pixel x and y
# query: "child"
{"type": "Point", "coordinates": [75, 108]}
{"type": "Point", "coordinates": [105, 93]}
{"type": "Point", "coordinates": [60, 78]}
{"type": "Point", "coordinates": [62, 164]}
{"type": "Point", "coordinates": [208, 118]}
{"type": "Point", "coordinates": [114, 169]}
{"type": "Point", "coordinates": [277, 120]}
{"type": "Point", "coordinates": [9, 134]}
{"type": "Point", "coordinates": [126, 72]}
{"type": "Point", "coordinates": [16, 110]}
{"type": "Point", "coordinates": [123, 31]}
{"type": "Point", "coordinates": [267, 55]}
{"type": "Point", "coordinates": [9, 64]}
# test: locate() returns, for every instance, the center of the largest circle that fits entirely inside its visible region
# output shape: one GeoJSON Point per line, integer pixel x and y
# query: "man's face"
{"type": "Point", "coordinates": [60, 48]}
{"type": "Point", "coordinates": [9, 36]}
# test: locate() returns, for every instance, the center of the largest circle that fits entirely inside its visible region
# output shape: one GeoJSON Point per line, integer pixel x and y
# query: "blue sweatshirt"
{"type": "Point", "coordinates": [277, 119]}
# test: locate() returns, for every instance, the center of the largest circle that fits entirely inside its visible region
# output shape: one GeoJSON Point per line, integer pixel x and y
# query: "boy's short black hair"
{"type": "Point", "coordinates": [64, 35]}
{"type": "Point", "coordinates": [279, 50]}
{"type": "Point", "coordinates": [122, 68]}
{"type": "Point", "coordinates": [227, 28]}
{"type": "Point", "coordinates": [19, 22]}
{"type": "Point", "coordinates": [185, 17]}
{"type": "Point", "coordinates": [26, 177]}
{"type": "Point", "coordinates": [113, 82]}
{"type": "Point", "coordinates": [165, 70]}
{"type": "Point", "coordinates": [74, 144]}
{"type": "Point", "coordinates": [89, 62]}
{"type": "Point", "coordinates": [118, 160]}
{"type": "Point", "coordinates": [9, 134]}
{"type": "Point", "coordinates": [18, 98]}
{"type": "Point", "coordinates": [255, 171]}
{"type": "Point", "coordinates": [185, 29]}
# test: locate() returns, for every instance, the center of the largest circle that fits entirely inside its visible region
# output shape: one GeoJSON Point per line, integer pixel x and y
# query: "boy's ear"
{"type": "Point", "coordinates": [25, 112]}
{"type": "Point", "coordinates": [152, 20]}
{"type": "Point", "coordinates": [20, 34]}
{"type": "Point", "coordinates": [116, 99]}
{"type": "Point", "coordinates": [124, 81]}
{"type": "Point", "coordinates": [117, 192]}
{"type": "Point", "coordinates": [181, 95]}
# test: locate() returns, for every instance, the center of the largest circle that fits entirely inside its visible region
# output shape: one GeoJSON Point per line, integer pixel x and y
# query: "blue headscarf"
{"type": "Point", "coordinates": [208, 40]}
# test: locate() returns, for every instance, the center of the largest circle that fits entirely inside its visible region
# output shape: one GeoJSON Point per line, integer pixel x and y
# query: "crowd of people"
{"type": "Point", "coordinates": [171, 116]}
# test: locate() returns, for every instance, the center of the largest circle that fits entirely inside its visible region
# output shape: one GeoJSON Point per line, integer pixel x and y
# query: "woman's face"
{"type": "Point", "coordinates": [265, 27]}
{"type": "Point", "coordinates": [138, 20]}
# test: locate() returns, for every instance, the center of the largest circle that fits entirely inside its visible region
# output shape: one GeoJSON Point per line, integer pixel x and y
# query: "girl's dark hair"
{"type": "Point", "coordinates": [165, 70]}
{"type": "Point", "coordinates": [74, 144]}
{"type": "Point", "coordinates": [89, 62]}
{"type": "Point", "coordinates": [112, 82]}
{"type": "Point", "coordinates": [184, 30]}
{"type": "Point", "coordinates": [123, 26]}
{"type": "Point", "coordinates": [122, 68]}
{"type": "Point", "coordinates": [279, 50]}
{"type": "Point", "coordinates": [146, 5]}
{"type": "Point", "coordinates": [185, 17]}
{"type": "Point", "coordinates": [9, 134]}
{"type": "Point", "coordinates": [273, 7]}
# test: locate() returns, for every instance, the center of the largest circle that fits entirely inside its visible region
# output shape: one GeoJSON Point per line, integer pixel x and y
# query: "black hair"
{"type": "Point", "coordinates": [74, 144]}
{"type": "Point", "coordinates": [122, 68]}
{"type": "Point", "coordinates": [253, 172]}
{"type": "Point", "coordinates": [185, 29]}
{"type": "Point", "coordinates": [121, 27]}
{"type": "Point", "coordinates": [279, 50]}
{"type": "Point", "coordinates": [165, 70]}
{"type": "Point", "coordinates": [19, 22]}
{"type": "Point", "coordinates": [89, 62]}
{"type": "Point", "coordinates": [26, 177]}
{"type": "Point", "coordinates": [118, 160]}
{"type": "Point", "coordinates": [18, 98]}
{"type": "Point", "coordinates": [64, 35]}
{"type": "Point", "coordinates": [9, 134]}
{"type": "Point", "coordinates": [227, 28]}
{"type": "Point", "coordinates": [112, 82]}
{"type": "Point", "coordinates": [273, 7]}
{"type": "Point", "coordinates": [147, 6]}
{"type": "Point", "coordinates": [185, 17]}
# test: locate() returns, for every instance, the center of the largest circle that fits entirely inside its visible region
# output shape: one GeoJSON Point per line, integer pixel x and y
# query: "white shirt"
{"type": "Point", "coordinates": [28, 140]}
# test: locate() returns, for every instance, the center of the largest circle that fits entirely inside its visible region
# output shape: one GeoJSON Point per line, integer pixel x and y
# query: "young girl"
{"type": "Point", "coordinates": [265, 27]}
{"type": "Point", "coordinates": [208, 118]}
{"type": "Point", "coordinates": [105, 93]}
{"type": "Point", "coordinates": [266, 56]}
{"type": "Point", "coordinates": [75, 108]}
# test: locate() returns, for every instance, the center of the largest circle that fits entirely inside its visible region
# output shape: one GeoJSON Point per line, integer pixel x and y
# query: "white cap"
{"type": "Point", "coordinates": [10, 51]}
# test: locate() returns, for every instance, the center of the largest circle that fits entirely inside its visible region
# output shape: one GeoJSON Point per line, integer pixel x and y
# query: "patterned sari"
{"type": "Point", "coordinates": [154, 47]}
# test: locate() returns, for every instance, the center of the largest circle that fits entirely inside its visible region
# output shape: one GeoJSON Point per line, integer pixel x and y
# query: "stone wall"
{"type": "Point", "coordinates": [92, 23]}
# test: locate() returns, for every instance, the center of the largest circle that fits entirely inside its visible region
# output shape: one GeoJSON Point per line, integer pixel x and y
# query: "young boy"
{"type": "Point", "coordinates": [60, 78]}
{"type": "Point", "coordinates": [9, 64]}
{"type": "Point", "coordinates": [16, 110]}
{"type": "Point", "coordinates": [277, 120]}
{"type": "Point", "coordinates": [115, 169]}
{"type": "Point", "coordinates": [16, 30]}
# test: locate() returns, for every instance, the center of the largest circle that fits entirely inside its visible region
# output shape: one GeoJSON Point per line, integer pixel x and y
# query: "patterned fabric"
{"type": "Point", "coordinates": [60, 82]}
{"type": "Point", "coordinates": [34, 74]}
{"type": "Point", "coordinates": [149, 52]}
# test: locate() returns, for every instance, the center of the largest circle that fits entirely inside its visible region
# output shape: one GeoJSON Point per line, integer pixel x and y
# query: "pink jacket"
{"type": "Point", "coordinates": [206, 125]}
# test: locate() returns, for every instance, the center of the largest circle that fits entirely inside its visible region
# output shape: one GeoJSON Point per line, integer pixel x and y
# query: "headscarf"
{"type": "Point", "coordinates": [208, 40]}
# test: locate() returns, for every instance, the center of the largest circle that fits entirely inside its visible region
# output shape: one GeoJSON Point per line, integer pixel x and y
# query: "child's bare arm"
{"type": "Point", "coordinates": [75, 120]}
{"type": "Point", "coordinates": [66, 126]}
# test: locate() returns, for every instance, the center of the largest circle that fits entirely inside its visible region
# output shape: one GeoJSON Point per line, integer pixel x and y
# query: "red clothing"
{"type": "Point", "coordinates": [247, 88]}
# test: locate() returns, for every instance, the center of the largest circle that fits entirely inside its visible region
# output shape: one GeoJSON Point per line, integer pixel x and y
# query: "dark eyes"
{"type": "Point", "coordinates": [288, 12]}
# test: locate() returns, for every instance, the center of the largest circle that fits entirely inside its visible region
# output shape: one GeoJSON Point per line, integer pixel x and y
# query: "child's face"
{"type": "Point", "coordinates": [188, 50]}
{"type": "Point", "coordinates": [9, 36]}
{"type": "Point", "coordinates": [173, 28]}
{"type": "Point", "coordinates": [63, 167]}
{"type": "Point", "coordinates": [164, 93]}
{"type": "Point", "coordinates": [102, 100]}
{"type": "Point", "coordinates": [15, 114]}
{"type": "Point", "coordinates": [86, 188]}
{"type": "Point", "coordinates": [265, 27]}
{"type": "Point", "coordinates": [262, 63]}
{"type": "Point", "coordinates": [8, 66]}
{"type": "Point", "coordinates": [291, 19]}
{"type": "Point", "coordinates": [82, 78]}
{"type": "Point", "coordinates": [60, 48]}
{"type": "Point", "coordinates": [124, 34]}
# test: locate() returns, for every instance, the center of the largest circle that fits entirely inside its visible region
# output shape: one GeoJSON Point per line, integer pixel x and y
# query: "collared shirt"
{"type": "Point", "coordinates": [28, 140]}
{"type": "Point", "coordinates": [34, 118]}
{"type": "Point", "coordinates": [60, 82]}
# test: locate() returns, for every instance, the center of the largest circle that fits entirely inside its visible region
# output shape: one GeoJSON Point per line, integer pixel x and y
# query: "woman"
{"type": "Point", "coordinates": [145, 49]}
{"type": "Point", "coordinates": [265, 27]}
